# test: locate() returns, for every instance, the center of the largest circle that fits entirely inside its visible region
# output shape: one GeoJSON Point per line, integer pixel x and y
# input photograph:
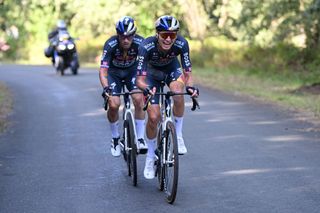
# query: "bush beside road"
{"type": "Point", "coordinates": [5, 106]}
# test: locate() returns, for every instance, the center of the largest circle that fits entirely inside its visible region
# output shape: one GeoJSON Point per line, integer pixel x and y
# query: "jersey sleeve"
{"type": "Point", "coordinates": [185, 57]}
{"type": "Point", "coordinates": [142, 60]}
{"type": "Point", "coordinates": [106, 55]}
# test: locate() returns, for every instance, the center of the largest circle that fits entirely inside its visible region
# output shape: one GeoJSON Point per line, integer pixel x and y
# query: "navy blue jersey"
{"type": "Point", "coordinates": [149, 54]}
{"type": "Point", "coordinates": [113, 55]}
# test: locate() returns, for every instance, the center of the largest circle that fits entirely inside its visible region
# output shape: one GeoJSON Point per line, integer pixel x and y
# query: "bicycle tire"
{"type": "Point", "coordinates": [171, 170]}
{"type": "Point", "coordinates": [160, 171]}
{"type": "Point", "coordinates": [132, 153]}
{"type": "Point", "coordinates": [123, 150]}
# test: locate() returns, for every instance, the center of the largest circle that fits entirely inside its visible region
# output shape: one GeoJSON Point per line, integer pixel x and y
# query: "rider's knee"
{"type": "Point", "coordinates": [138, 103]}
{"type": "Point", "coordinates": [114, 106]}
{"type": "Point", "coordinates": [178, 99]}
{"type": "Point", "coordinates": [153, 119]}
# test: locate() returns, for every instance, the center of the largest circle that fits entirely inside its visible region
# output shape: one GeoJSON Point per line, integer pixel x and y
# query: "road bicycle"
{"type": "Point", "coordinates": [130, 147]}
{"type": "Point", "coordinates": [167, 157]}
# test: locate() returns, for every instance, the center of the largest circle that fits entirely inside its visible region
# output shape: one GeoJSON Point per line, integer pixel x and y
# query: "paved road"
{"type": "Point", "coordinates": [243, 156]}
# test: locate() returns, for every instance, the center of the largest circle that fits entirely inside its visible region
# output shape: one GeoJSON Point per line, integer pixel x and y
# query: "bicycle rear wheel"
{"type": "Point", "coordinates": [132, 150]}
{"type": "Point", "coordinates": [171, 166]}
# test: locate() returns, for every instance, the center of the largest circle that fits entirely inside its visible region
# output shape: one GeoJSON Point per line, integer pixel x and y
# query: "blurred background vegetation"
{"type": "Point", "coordinates": [269, 33]}
{"type": "Point", "coordinates": [231, 41]}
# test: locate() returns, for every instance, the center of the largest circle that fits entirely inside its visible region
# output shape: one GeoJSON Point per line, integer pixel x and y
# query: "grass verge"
{"type": "Point", "coordinates": [5, 106]}
{"type": "Point", "coordinates": [293, 90]}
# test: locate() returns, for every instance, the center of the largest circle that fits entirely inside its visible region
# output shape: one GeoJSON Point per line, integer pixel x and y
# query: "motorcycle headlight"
{"type": "Point", "coordinates": [70, 46]}
{"type": "Point", "coordinates": [61, 47]}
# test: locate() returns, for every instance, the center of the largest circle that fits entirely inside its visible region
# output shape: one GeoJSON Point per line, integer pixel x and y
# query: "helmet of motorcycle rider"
{"type": "Point", "coordinates": [125, 26]}
{"type": "Point", "coordinates": [61, 24]}
{"type": "Point", "coordinates": [167, 23]}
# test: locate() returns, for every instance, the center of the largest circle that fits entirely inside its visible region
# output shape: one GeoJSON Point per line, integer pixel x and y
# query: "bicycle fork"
{"type": "Point", "coordinates": [161, 151]}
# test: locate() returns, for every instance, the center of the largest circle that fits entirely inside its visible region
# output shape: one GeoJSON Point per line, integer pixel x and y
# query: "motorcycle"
{"type": "Point", "coordinates": [65, 54]}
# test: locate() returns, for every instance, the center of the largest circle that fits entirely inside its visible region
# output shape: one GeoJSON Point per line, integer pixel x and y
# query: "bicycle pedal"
{"type": "Point", "coordinates": [143, 151]}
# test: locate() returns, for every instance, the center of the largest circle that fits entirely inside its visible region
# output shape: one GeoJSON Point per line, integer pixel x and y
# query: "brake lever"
{"type": "Point", "coordinates": [146, 104]}
{"type": "Point", "coordinates": [105, 100]}
{"type": "Point", "coordinates": [195, 104]}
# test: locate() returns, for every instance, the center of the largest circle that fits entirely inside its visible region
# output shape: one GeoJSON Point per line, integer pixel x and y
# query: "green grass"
{"type": "Point", "coordinates": [5, 106]}
{"type": "Point", "coordinates": [283, 88]}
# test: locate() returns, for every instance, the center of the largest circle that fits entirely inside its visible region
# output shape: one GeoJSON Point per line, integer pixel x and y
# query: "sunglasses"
{"type": "Point", "coordinates": [123, 37]}
{"type": "Point", "coordinates": [165, 35]}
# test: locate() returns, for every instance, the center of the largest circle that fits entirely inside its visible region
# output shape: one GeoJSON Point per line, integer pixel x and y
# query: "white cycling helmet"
{"type": "Point", "coordinates": [167, 23]}
{"type": "Point", "coordinates": [61, 24]}
{"type": "Point", "coordinates": [125, 26]}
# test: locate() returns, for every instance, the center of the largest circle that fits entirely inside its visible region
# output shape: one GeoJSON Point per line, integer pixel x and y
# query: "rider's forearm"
{"type": "Point", "coordinates": [103, 76]}
{"type": "Point", "coordinates": [141, 82]}
{"type": "Point", "coordinates": [188, 79]}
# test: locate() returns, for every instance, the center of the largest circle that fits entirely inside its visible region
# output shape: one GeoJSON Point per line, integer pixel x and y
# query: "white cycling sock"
{"type": "Point", "coordinates": [151, 147]}
{"type": "Point", "coordinates": [115, 129]}
{"type": "Point", "coordinates": [140, 128]}
{"type": "Point", "coordinates": [178, 123]}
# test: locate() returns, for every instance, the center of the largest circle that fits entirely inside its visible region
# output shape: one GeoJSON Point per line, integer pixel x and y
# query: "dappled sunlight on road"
{"type": "Point", "coordinates": [286, 138]}
{"type": "Point", "coordinates": [188, 103]}
{"type": "Point", "coordinates": [263, 122]}
{"type": "Point", "coordinates": [250, 172]}
{"type": "Point", "coordinates": [258, 171]}
{"type": "Point", "coordinates": [96, 112]}
{"type": "Point", "coordinates": [229, 137]}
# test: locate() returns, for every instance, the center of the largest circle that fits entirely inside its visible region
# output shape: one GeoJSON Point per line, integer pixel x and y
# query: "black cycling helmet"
{"type": "Point", "coordinates": [125, 26]}
{"type": "Point", "coordinates": [167, 23]}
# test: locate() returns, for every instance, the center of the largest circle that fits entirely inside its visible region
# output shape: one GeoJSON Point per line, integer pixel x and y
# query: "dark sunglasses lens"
{"type": "Point", "coordinates": [126, 36]}
{"type": "Point", "coordinates": [166, 35]}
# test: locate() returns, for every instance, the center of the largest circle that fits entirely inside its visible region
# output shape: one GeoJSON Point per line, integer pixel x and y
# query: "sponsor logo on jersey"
{"type": "Point", "coordinates": [186, 59]}
{"type": "Point", "coordinates": [149, 46]}
{"type": "Point", "coordinates": [113, 43]}
{"type": "Point", "coordinates": [179, 44]}
{"type": "Point", "coordinates": [103, 54]}
{"type": "Point", "coordinates": [137, 40]}
{"type": "Point", "coordinates": [104, 64]}
{"type": "Point", "coordinates": [140, 62]}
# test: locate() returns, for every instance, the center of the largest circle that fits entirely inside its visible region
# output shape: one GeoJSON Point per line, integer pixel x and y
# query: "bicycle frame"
{"type": "Point", "coordinates": [165, 117]}
{"type": "Point", "coordinates": [127, 112]}
{"type": "Point", "coordinates": [129, 144]}
{"type": "Point", "coordinates": [167, 155]}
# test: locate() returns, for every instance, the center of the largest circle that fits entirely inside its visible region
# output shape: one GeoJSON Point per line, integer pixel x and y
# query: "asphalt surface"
{"type": "Point", "coordinates": [242, 156]}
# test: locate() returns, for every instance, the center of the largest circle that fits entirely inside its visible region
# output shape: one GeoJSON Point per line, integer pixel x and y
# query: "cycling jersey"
{"type": "Point", "coordinates": [113, 54]}
{"type": "Point", "coordinates": [149, 53]}
{"type": "Point", "coordinates": [166, 74]}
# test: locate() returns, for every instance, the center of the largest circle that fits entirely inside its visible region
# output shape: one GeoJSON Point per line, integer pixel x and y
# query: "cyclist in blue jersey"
{"type": "Point", "coordinates": [157, 61]}
{"type": "Point", "coordinates": [118, 62]}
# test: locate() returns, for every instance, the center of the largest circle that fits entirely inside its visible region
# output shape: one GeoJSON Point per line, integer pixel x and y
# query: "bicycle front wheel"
{"type": "Point", "coordinates": [132, 151]}
{"type": "Point", "coordinates": [171, 166]}
{"type": "Point", "coordinates": [160, 168]}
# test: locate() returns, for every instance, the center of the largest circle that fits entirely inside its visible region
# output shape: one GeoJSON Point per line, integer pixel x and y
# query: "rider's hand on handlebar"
{"type": "Point", "coordinates": [193, 91]}
{"type": "Point", "coordinates": [147, 91]}
{"type": "Point", "coordinates": [107, 91]}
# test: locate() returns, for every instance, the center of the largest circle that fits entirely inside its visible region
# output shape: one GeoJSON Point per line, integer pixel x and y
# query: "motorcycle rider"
{"type": "Point", "coordinates": [118, 62]}
{"type": "Point", "coordinates": [53, 38]}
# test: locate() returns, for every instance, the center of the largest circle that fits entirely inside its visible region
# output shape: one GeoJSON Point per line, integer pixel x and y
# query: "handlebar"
{"type": "Point", "coordinates": [107, 95]}
{"type": "Point", "coordinates": [195, 103]}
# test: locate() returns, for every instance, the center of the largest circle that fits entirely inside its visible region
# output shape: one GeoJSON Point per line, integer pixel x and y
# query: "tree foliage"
{"type": "Point", "coordinates": [264, 23]}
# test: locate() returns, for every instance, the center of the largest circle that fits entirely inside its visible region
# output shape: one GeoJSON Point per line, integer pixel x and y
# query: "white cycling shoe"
{"type": "Point", "coordinates": [149, 168]}
{"type": "Point", "coordinates": [182, 149]}
{"type": "Point", "coordinates": [115, 147]}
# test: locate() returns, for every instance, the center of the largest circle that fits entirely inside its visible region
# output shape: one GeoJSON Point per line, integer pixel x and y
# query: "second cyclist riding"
{"type": "Point", "coordinates": [130, 147]}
